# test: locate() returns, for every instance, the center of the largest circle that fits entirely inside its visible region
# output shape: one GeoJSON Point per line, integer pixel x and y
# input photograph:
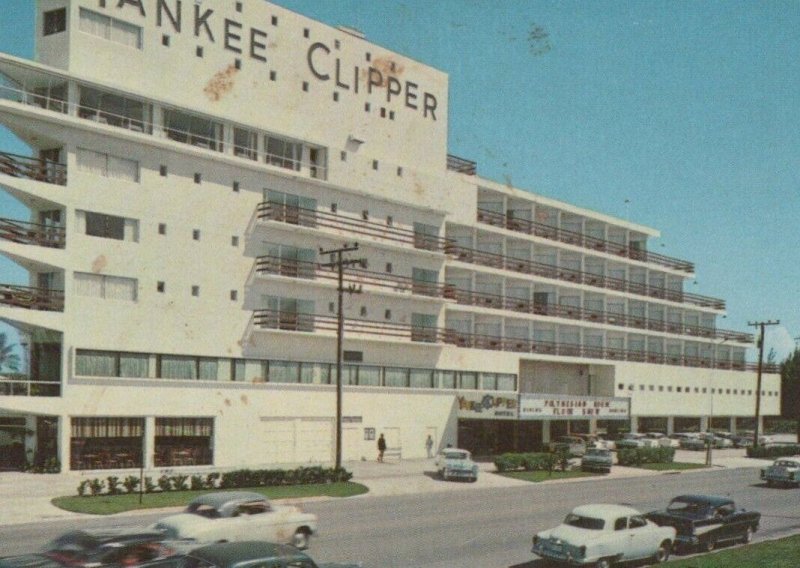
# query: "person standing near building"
{"type": "Point", "coordinates": [429, 446]}
{"type": "Point", "coordinates": [381, 447]}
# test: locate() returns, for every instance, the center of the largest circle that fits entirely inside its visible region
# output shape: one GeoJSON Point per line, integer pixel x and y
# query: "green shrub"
{"type": "Point", "coordinates": [112, 487]}
{"type": "Point", "coordinates": [149, 486]}
{"type": "Point", "coordinates": [131, 483]}
{"type": "Point", "coordinates": [211, 480]}
{"type": "Point", "coordinates": [96, 486]}
{"type": "Point", "coordinates": [197, 482]}
{"type": "Point", "coordinates": [773, 451]}
{"type": "Point", "coordinates": [179, 482]}
{"type": "Point", "coordinates": [83, 486]}
{"type": "Point", "coordinates": [509, 462]}
{"type": "Point", "coordinates": [165, 483]}
{"type": "Point", "coordinates": [638, 456]}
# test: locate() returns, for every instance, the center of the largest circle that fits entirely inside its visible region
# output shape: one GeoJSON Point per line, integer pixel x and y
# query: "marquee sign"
{"type": "Point", "coordinates": [486, 406]}
{"type": "Point", "coordinates": [555, 407]}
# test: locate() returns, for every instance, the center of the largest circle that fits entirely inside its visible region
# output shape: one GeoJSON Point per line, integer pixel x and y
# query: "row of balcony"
{"type": "Point", "coordinates": [302, 322]}
{"type": "Point", "coordinates": [32, 233]}
{"type": "Point", "coordinates": [30, 298]}
{"type": "Point", "coordinates": [520, 225]}
{"type": "Point", "coordinates": [36, 169]}
{"type": "Point", "coordinates": [311, 270]}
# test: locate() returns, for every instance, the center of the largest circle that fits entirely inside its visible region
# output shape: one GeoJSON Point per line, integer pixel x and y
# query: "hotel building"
{"type": "Point", "coordinates": [189, 161]}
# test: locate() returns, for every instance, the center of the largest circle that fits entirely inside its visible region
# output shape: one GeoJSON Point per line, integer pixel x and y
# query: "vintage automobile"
{"type": "Point", "coordinates": [602, 535]}
{"type": "Point", "coordinates": [573, 445]}
{"type": "Point", "coordinates": [663, 440]}
{"type": "Point", "coordinates": [95, 548]}
{"type": "Point", "coordinates": [454, 463]}
{"type": "Point", "coordinates": [695, 442]}
{"type": "Point", "coordinates": [702, 521]}
{"type": "Point", "coordinates": [597, 459]}
{"type": "Point", "coordinates": [250, 554]}
{"type": "Point", "coordinates": [784, 471]}
{"type": "Point", "coordinates": [239, 515]}
{"type": "Point", "coordinates": [636, 440]}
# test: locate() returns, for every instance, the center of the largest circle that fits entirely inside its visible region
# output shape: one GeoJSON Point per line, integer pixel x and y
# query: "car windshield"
{"type": "Point", "coordinates": [787, 463]}
{"type": "Point", "coordinates": [686, 507]}
{"type": "Point", "coordinates": [584, 522]}
{"type": "Point", "coordinates": [455, 455]}
{"type": "Point", "coordinates": [206, 511]}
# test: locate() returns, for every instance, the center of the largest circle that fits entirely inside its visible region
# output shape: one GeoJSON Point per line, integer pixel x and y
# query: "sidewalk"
{"type": "Point", "coordinates": [26, 497]}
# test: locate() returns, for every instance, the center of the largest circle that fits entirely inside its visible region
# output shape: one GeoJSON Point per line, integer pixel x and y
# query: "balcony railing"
{"type": "Point", "coordinates": [355, 227]}
{"type": "Point", "coordinates": [33, 168]}
{"type": "Point", "coordinates": [522, 305]}
{"type": "Point", "coordinates": [32, 233]}
{"type": "Point", "coordinates": [460, 165]}
{"type": "Point", "coordinates": [525, 266]}
{"type": "Point", "coordinates": [511, 223]}
{"type": "Point", "coordinates": [31, 298]}
{"type": "Point", "coordinates": [18, 385]}
{"type": "Point", "coordinates": [291, 268]}
{"type": "Point", "coordinates": [291, 321]}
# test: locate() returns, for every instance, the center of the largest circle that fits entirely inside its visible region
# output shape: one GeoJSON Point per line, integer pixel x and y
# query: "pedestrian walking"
{"type": "Point", "coordinates": [429, 446]}
{"type": "Point", "coordinates": [381, 447]}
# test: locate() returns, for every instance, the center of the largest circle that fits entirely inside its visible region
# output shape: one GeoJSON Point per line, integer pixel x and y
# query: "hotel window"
{"type": "Point", "coordinates": [109, 108]}
{"type": "Point", "coordinates": [467, 380]}
{"type": "Point", "coordinates": [106, 287]}
{"type": "Point", "coordinates": [423, 328]}
{"type": "Point", "coordinates": [426, 236]}
{"type": "Point", "coordinates": [283, 153]}
{"type": "Point", "coordinates": [369, 376]}
{"type": "Point", "coordinates": [283, 372]}
{"type": "Point", "coordinates": [395, 377]}
{"type": "Point", "coordinates": [288, 314]}
{"type": "Point", "coordinates": [421, 378]}
{"type": "Point", "coordinates": [446, 379]}
{"type": "Point", "coordinates": [108, 226]}
{"type": "Point", "coordinates": [195, 291]}
{"type": "Point", "coordinates": [106, 165]}
{"type": "Point", "coordinates": [245, 143]}
{"type": "Point", "coordinates": [110, 28]}
{"type": "Point", "coordinates": [285, 260]}
{"type": "Point", "coordinates": [192, 129]}
{"type": "Point", "coordinates": [55, 21]}
{"type": "Point", "coordinates": [111, 364]}
{"type": "Point", "coordinates": [424, 282]}
{"type": "Point", "coordinates": [187, 368]}
{"type": "Point", "coordinates": [506, 382]}
{"type": "Point", "coordinates": [291, 209]}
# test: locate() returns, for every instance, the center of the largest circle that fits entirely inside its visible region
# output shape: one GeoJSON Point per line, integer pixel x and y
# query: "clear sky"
{"type": "Point", "coordinates": [683, 116]}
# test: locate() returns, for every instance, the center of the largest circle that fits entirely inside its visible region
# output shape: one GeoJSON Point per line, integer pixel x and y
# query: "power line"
{"type": "Point", "coordinates": [760, 325]}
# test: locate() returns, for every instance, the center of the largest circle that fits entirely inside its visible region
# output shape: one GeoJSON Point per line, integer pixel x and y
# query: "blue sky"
{"type": "Point", "coordinates": [689, 111]}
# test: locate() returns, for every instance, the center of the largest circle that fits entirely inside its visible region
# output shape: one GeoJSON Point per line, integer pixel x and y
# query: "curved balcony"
{"type": "Point", "coordinates": [291, 268]}
{"type": "Point", "coordinates": [522, 305]}
{"type": "Point", "coordinates": [32, 233]}
{"type": "Point", "coordinates": [36, 169]}
{"type": "Point", "coordinates": [579, 239]}
{"type": "Point", "coordinates": [21, 385]}
{"type": "Point", "coordinates": [525, 266]}
{"type": "Point", "coordinates": [311, 323]}
{"type": "Point", "coordinates": [31, 298]}
{"type": "Point", "coordinates": [354, 227]}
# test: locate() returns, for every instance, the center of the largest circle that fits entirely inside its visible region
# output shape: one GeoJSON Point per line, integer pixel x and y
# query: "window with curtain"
{"type": "Point", "coordinates": [506, 382]}
{"type": "Point", "coordinates": [446, 379]}
{"type": "Point", "coordinates": [245, 143]}
{"type": "Point", "coordinates": [207, 368]}
{"type": "Point", "coordinates": [134, 365]}
{"type": "Point", "coordinates": [109, 28]}
{"type": "Point", "coordinates": [488, 381]}
{"type": "Point", "coordinates": [315, 373]}
{"type": "Point", "coordinates": [284, 372]}
{"type": "Point", "coordinates": [369, 376]}
{"type": "Point", "coordinates": [394, 377]}
{"type": "Point", "coordinates": [106, 427]}
{"type": "Point", "coordinates": [105, 226]}
{"type": "Point", "coordinates": [421, 378]}
{"type": "Point", "coordinates": [95, 363]}
{"type": "Point", "coordinates": [283, 153]}
{"type": "Point", "coordinates": [467, 380]}
{"type": "Point", "coordinates": [178, 367]}
{"type": "Point", "coordinates": [106, 287]}
{"type": "Point", "coordinates": [99, 164]}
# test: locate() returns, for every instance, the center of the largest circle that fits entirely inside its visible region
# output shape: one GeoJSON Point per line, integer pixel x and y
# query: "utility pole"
{"type": "Point", "coordinates": [760, 325]}
{"type": "Point", "coordinates": [340, 263]}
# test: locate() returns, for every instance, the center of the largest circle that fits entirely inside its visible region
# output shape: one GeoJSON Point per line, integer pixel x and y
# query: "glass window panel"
{"type": "Point", "coordinates": [134, 365]}
{"type": "Point", "coordinates": [95, 363]}
{"type": "Point", "coordinates": [177, 367]}
{"type": "Point", "coordinates": [90, 285]}
{"type": "Point", "coordinates": [121, 168]}
{"type": "Point", "coordinates": [91, 162]}
{"type": "Point", "coordinates": [506, 382]}
{"type": "Point", "coordinates": [447, 379]}
{"type": "Point", "coordinates": [488, 381]}
{"type": "Point", "coordinates": [284, 372]}
{"type": "Point", "coordinates": [468, 381]}
{"type": "Point", "coordinates": [208, 369]}
{"type": "Point", "coordinates": [394, 377]}
{"type": "Point", "coordinates": [117, 288]}
{"type": "Point", "coordinates": [369, 376]}
{"type": "Point", "coordinates": [421, 378]}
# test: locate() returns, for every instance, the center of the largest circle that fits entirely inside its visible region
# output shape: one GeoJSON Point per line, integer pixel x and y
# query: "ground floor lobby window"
{"type": "Point", "coordinates": [184, 441]}
{"type": "Point", "coordinates": [106, 443]}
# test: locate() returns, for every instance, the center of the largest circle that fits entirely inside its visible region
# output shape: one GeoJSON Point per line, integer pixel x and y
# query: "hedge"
{"type": "Point", "coordinates": [542, 461]}
{"type": "Point", "coordinates": [638, 456]}
{"type": "Point", "coordinates": [240, 478]}
{"type": "Point", "coordinates": [773, 451]}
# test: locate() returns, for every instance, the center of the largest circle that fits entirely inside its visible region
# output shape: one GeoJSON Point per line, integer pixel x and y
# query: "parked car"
{"type": "Point", "coordinates": [239, 515]}
{"type": "Point", "coordinates": [597, 459]}
{"type": "Point", "coordinates": [784, 471]}
{"type": "Point", "coordinates": [249, 554]}
{"type": "Point", "coordinates": [574, 445]}
{"type": "Point", "coordinates": [693, 443]}
{"type": "Point", "coordinates": [720, 442]}
{"type": "Point", "coordinates": [95, 548]}
{"type": "Point", "coordinates": [662, 439]}
{"type": "Point", "coordinates": [454, 463]}
{"type": "Point", "coordinates": [605, 443]}
{"type": "Point", "coordinates": [701, 521]}
{"type": "Point", "coordinates": [600, 535]}
{"type": "Point", "coordinates": [636, 440]}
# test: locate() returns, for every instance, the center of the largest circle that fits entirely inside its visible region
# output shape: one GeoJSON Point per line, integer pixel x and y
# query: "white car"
{"type": "Point", "coordinates": [454, 463]}
{"type": "Point", "coordinates": [663, 440]}
{"type": "Point", "coordinates": [228, 516]}
{"type": "Point", "coordinates": [784, 471]}
{"type": "Point", "coordinates": [601, 535]}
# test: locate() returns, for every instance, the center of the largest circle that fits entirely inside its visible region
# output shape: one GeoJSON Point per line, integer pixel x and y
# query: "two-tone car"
{"type": "Point", "coordinates": [252, 554]}
{"type": "Point", "coordinates": [603, 535]}
{"type": "Point", "coordinates": [784, 471]}
{"type": "Point", "coordinates": [225, 516]}
{"type": "Point", "coordinates": [597, 459]}
{"type": "Point", "coordinates": [703, 521]}
{"type": "Point", "coordinates": [454, 463]}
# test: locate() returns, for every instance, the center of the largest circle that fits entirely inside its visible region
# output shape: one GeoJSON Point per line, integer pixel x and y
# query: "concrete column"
{"type": "Point", "coordinates": [760, 425]}
{"type": "Point", "coordinates": [63, 441]}
{"type": "Point", "coordinates": [634, 424]}
{"type": "Point", "coordinates": [29, 439]}
{"type": "Point", "coordinates": [670, 425]}
{"type": "Point", "coordinates": [704, 423]}
{"type": "Point", "coordinates": [732, 428]}
{"type": "Point", "coordinates": [545, 432]}
{"type": "Point", "coordinates": [593, 425]}
{"type": "Point", "coordinates": [149, 440]}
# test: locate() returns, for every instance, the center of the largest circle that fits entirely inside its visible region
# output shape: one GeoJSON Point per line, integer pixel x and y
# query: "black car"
{"type": "Point", "coordinates": [96, 548]}
{"type": "Point", "coordinates": [702, 521]}
{"type": "Point", "coordinates": [250, 554]}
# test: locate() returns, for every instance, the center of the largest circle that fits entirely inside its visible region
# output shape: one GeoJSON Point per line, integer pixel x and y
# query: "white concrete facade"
{"type": "Point", "coordinates": [207, 152]}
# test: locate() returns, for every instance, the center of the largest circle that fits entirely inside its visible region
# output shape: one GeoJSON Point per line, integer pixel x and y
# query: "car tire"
{"type": "Point", "coordinates": [300, 539]}
{"type": "Point", "coordinates": [604, 563]}
{"type": "Point", "coordinates": [709, 545]}
{"type": "Point", "coordinates": [663, 552]}
{"type": "Point", "coordinates": [747, 537]}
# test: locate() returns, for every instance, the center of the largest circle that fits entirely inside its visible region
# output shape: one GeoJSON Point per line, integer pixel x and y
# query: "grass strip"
{"type": "Point", "coordinates": [781, 553]}
{"type": "Point", "coordinates": [538, 476]}
{"type": "Point", "coordinates": [674, 466]}
{"type": "Point", "coordinates": [110, 504]}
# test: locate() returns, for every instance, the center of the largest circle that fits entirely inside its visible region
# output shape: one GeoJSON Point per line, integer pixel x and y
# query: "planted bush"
{"type": "Point", "coordinates": [773, 451]}
{"type": "Point", "coordinates": [638, 456]}
{"type": "Point", "coordinates": [131, 484]}
{"type": "Point", "coordinates": [112, 487]}
{"type": "Point", "coordinates": [179, 482]}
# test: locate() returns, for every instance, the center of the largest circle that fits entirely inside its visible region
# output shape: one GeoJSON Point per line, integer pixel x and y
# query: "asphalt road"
{"type": "Point", "coordinates": [486, 528]}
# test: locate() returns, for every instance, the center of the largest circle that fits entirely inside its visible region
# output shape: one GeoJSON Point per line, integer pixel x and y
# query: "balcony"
{"type": "Point", "coordinates": [33, 168]}
{"type": "Point", "coordinates": [460, 165]}
{"type": "Point", "coordinates": [21, 385]}
{"type": "Point", "coordinates": [579, 239]}
{"type": "Point", "coordinates": [525, 266]}
{"type": "Point", "coordinates": [292, 268]}
{"type": "Point", "coordinates": [522, 305]}
{"type": "Point", "coordinates": [32, 233]}
{"type": "Point", "coordinates": [353, 227]}
{"type": "Point", "coordinates": [31, 298]}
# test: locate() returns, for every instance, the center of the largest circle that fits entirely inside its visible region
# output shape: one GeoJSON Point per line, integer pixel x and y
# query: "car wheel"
{"type": "Point", "coordinates": [708, 545]}
{"type": "Point", "coordinates": [662, 554]}
{"type": "Point", "coordinates": [747, 537]}
{"type": "Point", "coordinates": [604, 563]}
{"type": "Point", "coordinates": [300, 538]}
